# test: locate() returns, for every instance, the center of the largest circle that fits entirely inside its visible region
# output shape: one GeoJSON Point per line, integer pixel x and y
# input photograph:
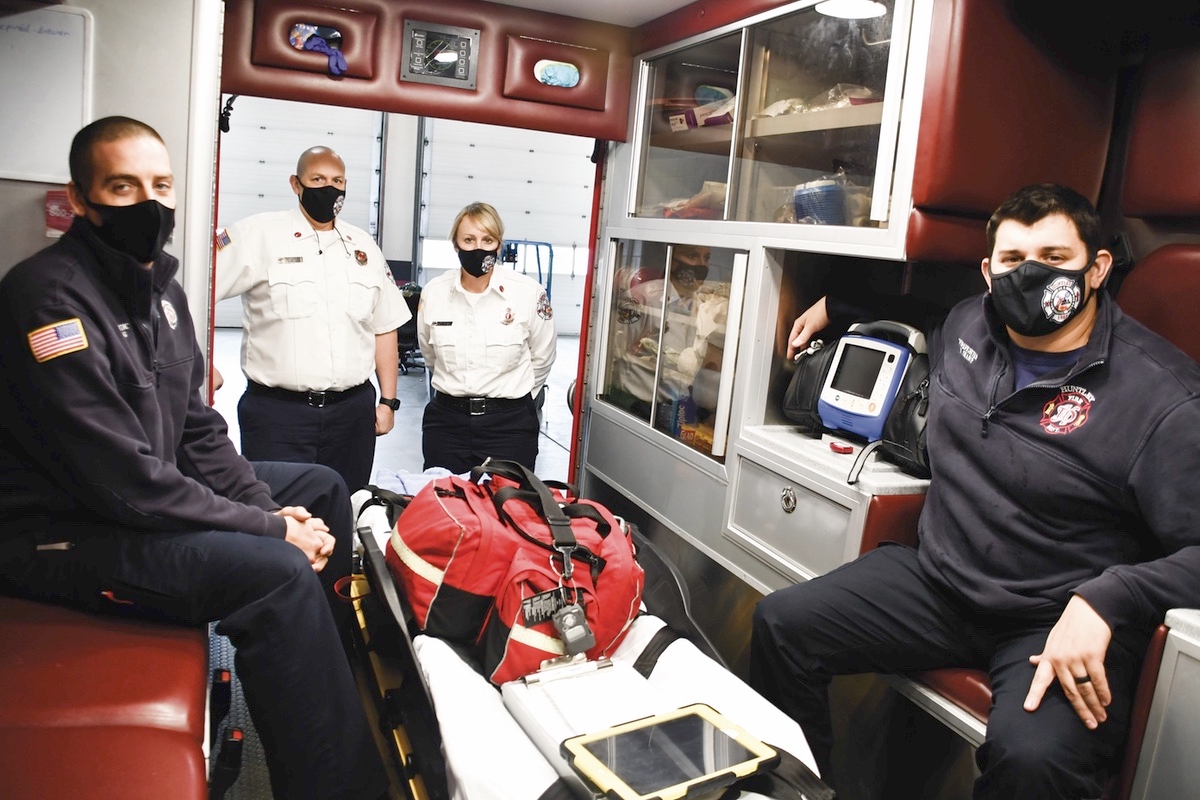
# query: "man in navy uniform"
{"type": "Point", "coordinates": [1059, 525]}
{"type": "Point", "coordinates": [123, 493]}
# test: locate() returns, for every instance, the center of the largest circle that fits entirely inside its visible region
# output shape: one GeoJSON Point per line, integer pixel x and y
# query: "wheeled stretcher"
{"type": "Point", "coordinates": [457, 736]}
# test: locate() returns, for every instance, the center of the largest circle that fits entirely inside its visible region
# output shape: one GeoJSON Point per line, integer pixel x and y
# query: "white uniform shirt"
{"type": "Point", "coordinates": [310, 318]}
{"type": "Point", "coordinates": [500, 343]}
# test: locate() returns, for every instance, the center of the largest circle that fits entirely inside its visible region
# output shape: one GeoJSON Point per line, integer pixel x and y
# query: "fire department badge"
{"type": "Point", "coordinates": [1068, 412]}
{"type": "Point", "coordinates": [543, 308]}
{"type": "Point", "coordinates": [360, 257]}
{"type": "Point", "coordinates": [169, 313]}
{"type": "Point", "coordinates": [508, 316]}
{"type": "Point", "coordinates": [1061, 298]}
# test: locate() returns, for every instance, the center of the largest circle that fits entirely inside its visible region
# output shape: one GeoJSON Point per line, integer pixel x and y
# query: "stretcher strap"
{"type": "Point", "coordinates": [662, 639]}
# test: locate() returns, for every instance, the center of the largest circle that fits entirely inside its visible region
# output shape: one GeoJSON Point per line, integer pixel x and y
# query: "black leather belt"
{"type": "Point", "coordinates": [478, 405]}
{"type": "Point", "coordinates": [314, 399]}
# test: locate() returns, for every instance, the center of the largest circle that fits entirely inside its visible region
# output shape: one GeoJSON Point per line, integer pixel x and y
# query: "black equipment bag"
{"type": "Point", "coordinates": [903, 440]}
{"type": "Point", "coordinates": [904, 430]}
{"type": "Point", "coordinates": [800, 399]}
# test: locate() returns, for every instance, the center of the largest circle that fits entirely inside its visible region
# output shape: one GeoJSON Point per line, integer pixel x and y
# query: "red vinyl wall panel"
{"type": "Point", "coordinates": [259, 61]}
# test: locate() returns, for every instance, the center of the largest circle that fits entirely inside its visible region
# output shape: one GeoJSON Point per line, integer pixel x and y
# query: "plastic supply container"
{"type": "Point", "coordinates": [823, 201]}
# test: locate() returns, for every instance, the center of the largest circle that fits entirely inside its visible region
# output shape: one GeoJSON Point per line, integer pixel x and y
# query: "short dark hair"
{"type": "Point", "coordinates": [1030, 204]}
{"type": "Point", "coordinates": [108, 129]}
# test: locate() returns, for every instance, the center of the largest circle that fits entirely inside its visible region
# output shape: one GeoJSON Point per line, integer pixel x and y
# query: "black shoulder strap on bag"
{"type": "Point", "coordinates": [393, 502]}
{"type": "Point", "coordinates": [547, 505]}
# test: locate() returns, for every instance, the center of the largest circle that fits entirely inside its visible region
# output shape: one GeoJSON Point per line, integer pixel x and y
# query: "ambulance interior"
{"type": "Point", "coordinates": [1005, 93]}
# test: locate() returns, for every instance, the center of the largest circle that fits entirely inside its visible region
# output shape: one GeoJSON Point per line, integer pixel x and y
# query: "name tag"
{"type": "Point", "coordinates": [290, 260]}
{"type": "Point", "coordinates": [443, 322]}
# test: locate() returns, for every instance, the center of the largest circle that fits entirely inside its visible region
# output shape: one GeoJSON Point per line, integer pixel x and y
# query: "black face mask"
{"type": "Point", "coordinates": [687, 276]}
{"type": "Point", "coordinates": [140, 230]}
{"type": "Point", "coordinates": [1035, 299]}
{"type": "Point", "coordinates": [322, 203]}
{"type": "Point", "coordinates": [477, 262]}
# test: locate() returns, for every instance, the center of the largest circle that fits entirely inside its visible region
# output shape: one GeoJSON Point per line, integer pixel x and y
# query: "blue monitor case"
{"type": "Point", "coordinates": [863, 380]}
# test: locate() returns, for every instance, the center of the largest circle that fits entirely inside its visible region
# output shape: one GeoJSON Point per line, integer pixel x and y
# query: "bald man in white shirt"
{"type": "Point", "coordinates": [320, 313]}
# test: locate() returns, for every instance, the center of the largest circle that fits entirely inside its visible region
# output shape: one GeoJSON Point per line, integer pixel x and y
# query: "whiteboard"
{"type": "Point", "coordinates": [46, 94]}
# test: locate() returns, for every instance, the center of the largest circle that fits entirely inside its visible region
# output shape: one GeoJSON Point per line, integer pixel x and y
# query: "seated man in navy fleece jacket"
{"type": "Point", "coordinates": [1060, 523]}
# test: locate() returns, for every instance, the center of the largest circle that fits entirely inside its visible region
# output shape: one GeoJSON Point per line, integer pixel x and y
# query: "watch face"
{"type": "Point", "coordinates": [440, 54]}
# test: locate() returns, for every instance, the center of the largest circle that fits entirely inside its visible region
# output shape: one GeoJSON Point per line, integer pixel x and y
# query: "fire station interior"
{"type": "Point", "coordinates": [1108, 102]}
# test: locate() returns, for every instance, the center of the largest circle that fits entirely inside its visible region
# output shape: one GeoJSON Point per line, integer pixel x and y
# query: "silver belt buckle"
{"type": "Point", "coordinates": [316, 399]}
{"type": "Point", "coordinates": [476, 405]}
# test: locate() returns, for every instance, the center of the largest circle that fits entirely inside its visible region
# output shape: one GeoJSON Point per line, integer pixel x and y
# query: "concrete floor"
{"type": "Point", "coordinates": [400, 450]}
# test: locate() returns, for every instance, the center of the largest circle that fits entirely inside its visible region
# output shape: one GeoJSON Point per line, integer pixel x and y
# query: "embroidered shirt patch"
{"type": "Point", "coordinates": [1068, 412]}
{"type": "Point", "coordinates": [57, 340]}
{"type": "Point", "coordinates": [543, 307]}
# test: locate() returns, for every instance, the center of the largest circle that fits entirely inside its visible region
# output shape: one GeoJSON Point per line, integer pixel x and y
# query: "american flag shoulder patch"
{"type": "Point", "coordinates": [223, 239]}
{"type": "Point", "coordinates": [58, 339]}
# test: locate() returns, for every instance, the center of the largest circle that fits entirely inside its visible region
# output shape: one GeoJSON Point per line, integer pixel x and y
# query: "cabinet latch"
{"type": "Point", "coordinates": [787, 498]}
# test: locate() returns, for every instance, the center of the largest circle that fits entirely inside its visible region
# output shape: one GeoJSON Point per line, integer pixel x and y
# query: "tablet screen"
{"type": "Point", "coordinates": [661, 756]}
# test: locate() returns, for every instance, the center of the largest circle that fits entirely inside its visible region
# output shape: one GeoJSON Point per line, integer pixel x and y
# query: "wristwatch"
{"type": "Point", "coordinates": [391, 402]}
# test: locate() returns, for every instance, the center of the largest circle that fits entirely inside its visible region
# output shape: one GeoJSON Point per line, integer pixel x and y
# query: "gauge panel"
{"type": "Point", "coordinates": [445, 55]}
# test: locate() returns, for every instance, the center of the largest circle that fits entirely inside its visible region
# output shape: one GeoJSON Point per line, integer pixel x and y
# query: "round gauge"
{"type": "Point", "coordinates": [442, 53]}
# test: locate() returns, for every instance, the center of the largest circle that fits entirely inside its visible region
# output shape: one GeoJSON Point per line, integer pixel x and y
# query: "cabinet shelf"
{"type": "Point", "coordinates": [823, 120]}
{"type": "Point", "coordinates": [711, 139]}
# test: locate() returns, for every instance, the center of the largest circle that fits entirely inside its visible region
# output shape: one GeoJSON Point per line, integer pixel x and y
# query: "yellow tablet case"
{"type": "Point", "coordinates": [686, 753]}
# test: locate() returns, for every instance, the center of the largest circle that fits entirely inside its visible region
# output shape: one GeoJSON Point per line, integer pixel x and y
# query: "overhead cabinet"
{"type": "Point", "coordinates": [765, 157]}
{"type": "Point", "coordinates": [792, 120]}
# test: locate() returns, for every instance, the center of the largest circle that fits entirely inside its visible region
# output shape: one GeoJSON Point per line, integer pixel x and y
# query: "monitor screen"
{"type": "Point", "coordinates": [857, 370]}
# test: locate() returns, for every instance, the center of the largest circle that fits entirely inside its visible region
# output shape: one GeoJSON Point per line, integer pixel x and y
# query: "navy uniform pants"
{"type": "Point", "coordinates": [460, 441]}
{"type": "Point", "coordinates": [275, 609]}
{"type": "Point", "coordinates": [880, 613]}
{"type": "Point", "coordinates": [340, 435]}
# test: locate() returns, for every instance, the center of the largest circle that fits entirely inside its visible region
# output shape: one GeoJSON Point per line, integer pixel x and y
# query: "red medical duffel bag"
{"type": "Point", "coordinates": [521, 569]}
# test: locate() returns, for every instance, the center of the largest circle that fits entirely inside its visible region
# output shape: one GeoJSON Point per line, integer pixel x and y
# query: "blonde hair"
{"type": "Point", "coordinates": [482, 215]}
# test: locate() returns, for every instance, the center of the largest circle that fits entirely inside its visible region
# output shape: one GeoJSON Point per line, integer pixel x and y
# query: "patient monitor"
{"type": "Point", "coordinates": [865, 376]}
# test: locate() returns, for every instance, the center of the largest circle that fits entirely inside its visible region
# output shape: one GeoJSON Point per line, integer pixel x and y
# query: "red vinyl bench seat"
{"type": "Point", "coordinates": [94, 706]}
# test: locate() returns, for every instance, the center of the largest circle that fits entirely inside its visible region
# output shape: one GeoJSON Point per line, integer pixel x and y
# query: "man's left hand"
{"type": "Point", "coordinates": [1074, 655]}
{"type": "Point", "coordinates": [385, 419]}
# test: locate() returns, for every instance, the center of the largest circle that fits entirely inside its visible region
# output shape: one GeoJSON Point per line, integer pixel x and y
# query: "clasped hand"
{"type": "Point", "coordinates": [1074, 655]}
{"type": "Point", "coordinates": [310, 534]}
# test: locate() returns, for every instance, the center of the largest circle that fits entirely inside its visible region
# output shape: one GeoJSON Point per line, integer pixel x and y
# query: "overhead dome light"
{"type": "Point", "coordinates": [851, 9]}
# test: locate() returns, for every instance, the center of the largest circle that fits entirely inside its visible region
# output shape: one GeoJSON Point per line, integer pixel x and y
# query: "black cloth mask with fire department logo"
{"type": "Point", "coordinates": [1035, 299]}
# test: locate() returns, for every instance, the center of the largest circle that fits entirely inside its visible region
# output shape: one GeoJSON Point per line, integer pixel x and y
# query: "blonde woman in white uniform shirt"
{"type": "Point", "coordinates": [488, 338]}
{"type": "Point", "coordinates": [320, 311]}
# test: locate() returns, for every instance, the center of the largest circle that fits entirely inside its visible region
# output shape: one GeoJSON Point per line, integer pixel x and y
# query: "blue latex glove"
{"type": "Point", "coordinates": [337, 61]}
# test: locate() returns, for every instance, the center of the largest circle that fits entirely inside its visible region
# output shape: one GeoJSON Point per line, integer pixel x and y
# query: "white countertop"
{"type": "Point", "coordinates": [878, 477]}
{"type": "Point", "coordinates": [1185, 621]}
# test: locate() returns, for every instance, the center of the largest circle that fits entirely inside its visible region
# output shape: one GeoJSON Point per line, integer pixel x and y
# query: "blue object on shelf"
{"type": "Point", "coordinates": [823, 201]}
